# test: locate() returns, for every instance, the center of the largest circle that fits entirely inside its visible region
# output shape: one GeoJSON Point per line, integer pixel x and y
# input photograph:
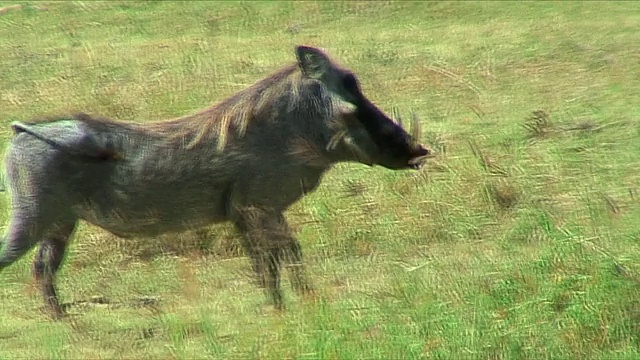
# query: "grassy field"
{"type": "Point", "coordinates": [520, 240]}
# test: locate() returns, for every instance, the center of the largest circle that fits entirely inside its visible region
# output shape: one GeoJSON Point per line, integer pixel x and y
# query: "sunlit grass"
{"type": "Point", "coordinates": [520, 240]}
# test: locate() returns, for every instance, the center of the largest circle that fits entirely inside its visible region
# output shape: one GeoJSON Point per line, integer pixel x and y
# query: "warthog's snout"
{"type": "Point", "coordinates": [422, 154]}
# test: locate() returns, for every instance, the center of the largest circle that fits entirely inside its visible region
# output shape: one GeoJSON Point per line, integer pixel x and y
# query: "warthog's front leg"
{"type": "Point", "coordinates": [256, 227]}
{"type": "Point", "coordinates": [268, 240]}
{"type": "Point", "coordinates": [292, 255]}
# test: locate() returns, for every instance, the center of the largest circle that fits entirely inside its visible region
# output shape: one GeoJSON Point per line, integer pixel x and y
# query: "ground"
{"type": "Point", "coordinates": [520, 239]}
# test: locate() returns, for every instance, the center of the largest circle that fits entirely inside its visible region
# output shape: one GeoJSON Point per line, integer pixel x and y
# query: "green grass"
{"type": "Point", "coordinates": [521, 240]}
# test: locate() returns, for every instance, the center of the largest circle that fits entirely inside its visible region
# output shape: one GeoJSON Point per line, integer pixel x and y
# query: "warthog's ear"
{"type": "Point", "coordinates": [313, 62]}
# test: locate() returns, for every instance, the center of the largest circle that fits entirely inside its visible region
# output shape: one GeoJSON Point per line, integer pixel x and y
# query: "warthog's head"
{"type": "Point", "coordinates": [360, 131]}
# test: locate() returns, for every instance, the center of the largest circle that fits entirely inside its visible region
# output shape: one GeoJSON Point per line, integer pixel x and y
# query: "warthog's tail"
{"type": "Point", "coordinates": [70, 137]}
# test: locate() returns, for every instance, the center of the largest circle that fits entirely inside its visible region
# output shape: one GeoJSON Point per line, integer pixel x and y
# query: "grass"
{"type": "Point", "coordinates": [520, 240]}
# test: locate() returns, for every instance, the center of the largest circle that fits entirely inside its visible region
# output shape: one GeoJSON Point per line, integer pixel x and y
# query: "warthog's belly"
{"type": "Point", "coordinates": [149, 219]}
{"type": "Point", "coordinates": [145, 226]}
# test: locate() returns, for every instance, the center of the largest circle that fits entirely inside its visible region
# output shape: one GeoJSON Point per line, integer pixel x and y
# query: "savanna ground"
{"type": "Point", "coordinates": [520, 240]}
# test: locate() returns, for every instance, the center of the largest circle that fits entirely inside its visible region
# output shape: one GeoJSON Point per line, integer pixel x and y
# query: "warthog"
{"type": "Point", "coordinates": [244, 160]}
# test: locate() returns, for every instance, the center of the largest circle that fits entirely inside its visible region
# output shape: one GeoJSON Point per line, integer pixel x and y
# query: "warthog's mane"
{"type": "Point", "coordinates": [236, 112]}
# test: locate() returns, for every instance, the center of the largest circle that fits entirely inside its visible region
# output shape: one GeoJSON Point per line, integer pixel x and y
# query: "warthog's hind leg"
{"type": "Point", "coordinates": [46, 264]}
{"type": "Point", "coordinates": [22, 234]}
{"type": "Point", "coordinates": [14, 247]}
